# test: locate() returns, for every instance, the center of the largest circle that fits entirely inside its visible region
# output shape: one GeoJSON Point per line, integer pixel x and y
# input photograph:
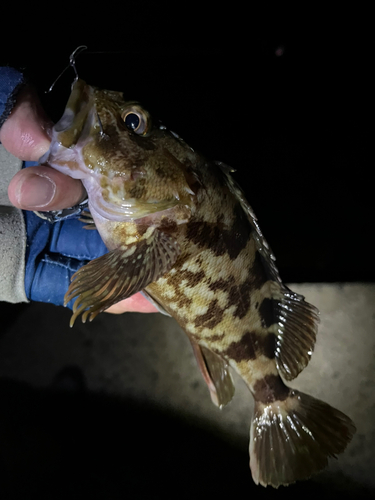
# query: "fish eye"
{"type": "Point", "coordinates": [132, 121]}
{"type": "Point", "coordinates": [135, 120]}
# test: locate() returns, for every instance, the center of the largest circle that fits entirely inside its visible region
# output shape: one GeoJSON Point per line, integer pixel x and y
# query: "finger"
{"type": "Point", "coordinates": [25, 132]}
{"type": "Point", "coordinates": [43, 188]}
{"type": "Point", "coordinates": [135, 303]}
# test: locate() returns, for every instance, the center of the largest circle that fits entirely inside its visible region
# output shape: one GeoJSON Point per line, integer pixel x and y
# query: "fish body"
{"type": "Point", "coordinates": [179, 229]}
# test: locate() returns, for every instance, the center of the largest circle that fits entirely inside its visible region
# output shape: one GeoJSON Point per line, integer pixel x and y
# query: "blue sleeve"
{"type": "Point", "coordinates": [54, 253]}
{"type": "Point", "coordinates": [11, 81]}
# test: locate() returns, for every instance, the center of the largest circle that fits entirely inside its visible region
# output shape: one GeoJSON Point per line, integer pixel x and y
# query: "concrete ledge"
{"type": "Point", "coordinates": [149, 358]}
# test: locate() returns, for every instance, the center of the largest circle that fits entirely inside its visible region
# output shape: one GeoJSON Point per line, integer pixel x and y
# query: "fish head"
{"type": "Point", "coordinates": [130, 165]}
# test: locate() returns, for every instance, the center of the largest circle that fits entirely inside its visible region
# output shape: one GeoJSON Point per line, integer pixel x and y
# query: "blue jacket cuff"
{"type": "Point", "coordinates": [11, 81]}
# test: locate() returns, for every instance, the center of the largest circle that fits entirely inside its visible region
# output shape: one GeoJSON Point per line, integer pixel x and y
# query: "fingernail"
{"type": "Point", "coordinates": [35, 191]}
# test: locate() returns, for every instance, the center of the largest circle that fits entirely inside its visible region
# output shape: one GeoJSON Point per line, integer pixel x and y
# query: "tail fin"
{"type": "Point", "coordinates": [292, 439]}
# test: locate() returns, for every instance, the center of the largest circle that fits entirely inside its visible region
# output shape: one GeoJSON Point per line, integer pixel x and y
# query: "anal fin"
{"type": "Point", "coordinates": [216, 374]}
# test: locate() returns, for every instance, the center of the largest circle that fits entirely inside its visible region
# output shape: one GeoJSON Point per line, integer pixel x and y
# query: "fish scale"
{"type": "Point", "coordinates": [180, 229]}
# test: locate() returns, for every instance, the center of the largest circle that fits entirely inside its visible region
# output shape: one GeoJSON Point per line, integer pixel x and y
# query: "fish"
{"type": "Point", "coordinates": [179, 229]}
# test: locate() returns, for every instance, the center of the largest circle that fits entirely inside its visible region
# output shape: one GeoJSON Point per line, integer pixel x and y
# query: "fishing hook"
{"type": "Point", "coordinates": [72, 64]}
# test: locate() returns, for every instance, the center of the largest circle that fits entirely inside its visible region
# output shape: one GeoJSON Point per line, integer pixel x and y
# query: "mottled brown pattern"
{"type": "Point", "coordinates": [180, 166]}
{"type": "Point", "coordinates": [199, 261]}
{"type": "Point", "coordinates": [240, 296]}
{"type": "Point", "coordinates": [201, 233]}
{"type": "Point", "coordinates": [244, 349]}
{"type": "Point", "coordinates": [168, 225]}
{"type": "Point", "coordinates": [222, 284]}
{"type": "Point", "coordinates": [257, 273]}
{"type": "Point", "coordinates": [141, 228]}
{"type": "Point", "coordinates": [269, 389]}
{"type": "Point", "coordinates": [219, 239]}
{"type": "Point", "coordinates": [239, 235]}
{"type": "Point", "coordinates": [266, 312]}
{"type": "Point", "coordinates": [181, 300]}
{"type": "Point", "coordinates": [192, 278]}
{"type": "Point", "coordinates": [217, 337]}
{"type": "Point", "coordinates": [211, 318]}
{"type": "Point", "coordinates": [113, 145]}
{"type": "Point", "coordinates": [251, 345]}
{"type": "Point", "coordinates": [138, 189]}
{"type": "Point", "coordinates": [161, 172]}
{"type": "Point", "coordinates": [267, 345]}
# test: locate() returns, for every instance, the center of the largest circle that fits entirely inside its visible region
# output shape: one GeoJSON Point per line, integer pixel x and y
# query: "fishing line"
{"type": "Point", "coordinates": [72, 62]}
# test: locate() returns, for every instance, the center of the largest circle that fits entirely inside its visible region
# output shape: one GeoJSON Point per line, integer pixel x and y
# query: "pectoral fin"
{"type": "Point", "coordinates": [216, 374]}
{"type": "Point", "coordinates": [121, 273]}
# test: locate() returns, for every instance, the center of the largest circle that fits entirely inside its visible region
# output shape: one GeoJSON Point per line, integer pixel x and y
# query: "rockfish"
{"type": "Point", "coordinates": [179, 228]}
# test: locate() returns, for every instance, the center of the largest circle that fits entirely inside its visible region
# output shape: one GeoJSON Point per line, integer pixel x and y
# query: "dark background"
{"type": "Point", "coordinates": [282, 97]}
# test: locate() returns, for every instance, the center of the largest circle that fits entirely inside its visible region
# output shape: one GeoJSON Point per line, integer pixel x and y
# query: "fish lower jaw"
{"type": "Point", "coordinates": [113, 208]}
{"type": "Point", "coordinates": [112, 212]}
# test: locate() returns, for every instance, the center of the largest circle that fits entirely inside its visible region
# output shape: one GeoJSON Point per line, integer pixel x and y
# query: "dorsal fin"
{"type": "Point", "coordinates": [296, 320]}
{"type": "Point", "coordinates": [261, 243]}
{"type": "Point", "coordinates": [297, 327]}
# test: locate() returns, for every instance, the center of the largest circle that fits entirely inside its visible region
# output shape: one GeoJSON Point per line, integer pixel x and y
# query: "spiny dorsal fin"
{"type": "Point", "coordinates": [296, 320]}
{"type": "Point", "coordinates": [121, 273]}
{"type": "Point", "coordinates": [216, 374]}
{"type": "Point", "coordinates": [261, 243]}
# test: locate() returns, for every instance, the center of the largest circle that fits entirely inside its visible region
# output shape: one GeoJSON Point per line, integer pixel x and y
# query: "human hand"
{"type": "Point", "coordinates": [57, 250]}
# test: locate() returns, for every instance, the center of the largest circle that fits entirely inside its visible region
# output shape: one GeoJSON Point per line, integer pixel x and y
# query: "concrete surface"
{"type": "Point", "coordinates": [148, 359]}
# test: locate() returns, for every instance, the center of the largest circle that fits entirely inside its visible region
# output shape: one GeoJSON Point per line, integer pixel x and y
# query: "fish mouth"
{"type": "Point", "coordinates": [74, 129]}
{"type": "Point", "coordinates": [78, 117]}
